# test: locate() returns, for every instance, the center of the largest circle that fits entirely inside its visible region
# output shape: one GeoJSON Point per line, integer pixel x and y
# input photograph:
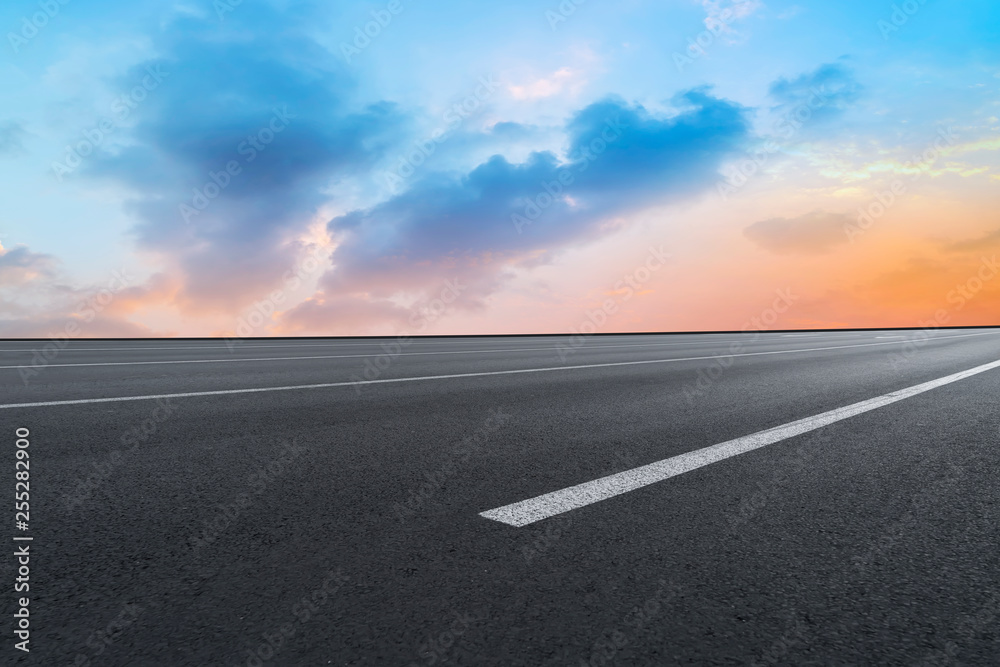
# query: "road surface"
{"type": "Point", "coordinates": [813, 498]}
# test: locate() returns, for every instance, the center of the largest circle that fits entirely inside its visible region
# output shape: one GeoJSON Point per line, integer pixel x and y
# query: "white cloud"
{"type": "Point", "coordinates": [560, 80]}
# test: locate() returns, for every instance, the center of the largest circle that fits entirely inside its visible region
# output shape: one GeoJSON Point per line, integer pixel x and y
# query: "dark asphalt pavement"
{"type": "Point", "coordinates": [340, 524]}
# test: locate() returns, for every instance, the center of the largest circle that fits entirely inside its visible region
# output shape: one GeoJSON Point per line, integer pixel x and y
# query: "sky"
{"type": "Point", "coordinates": [398, 167]}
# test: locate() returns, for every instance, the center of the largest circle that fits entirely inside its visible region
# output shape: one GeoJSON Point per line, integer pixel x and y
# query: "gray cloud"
{"type": "Point", "coordinates": [813, 233]}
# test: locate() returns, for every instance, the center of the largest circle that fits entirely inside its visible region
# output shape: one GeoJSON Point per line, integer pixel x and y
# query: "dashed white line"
{"type": "Point", "coordinates": [548, 505]}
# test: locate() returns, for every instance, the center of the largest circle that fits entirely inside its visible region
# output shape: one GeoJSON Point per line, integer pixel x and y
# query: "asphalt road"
{"type": "Point", "coordinates": [328, 522]}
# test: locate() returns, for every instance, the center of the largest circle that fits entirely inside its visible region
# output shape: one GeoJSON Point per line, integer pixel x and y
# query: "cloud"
{"type": "Point", "coordinates": [37, 302]}
{"type": "Point", "coordinates": [20, 266]}
{"type": "Point", "coordinates": [719, 14]}
{"type": "Point", "coordinates": [12, 136]}
{"type": "Point", "coordinates": [827, 91]}
{"type": "Point", "coordinates": [620, 159]}
{"type": "Point", "coordinates": [549, 86]}
{"type": "Point", "coordinates": [989, 240]}
{"type": "Point", "coordinates": [257, 93]}
{"type": "Point", "coordinates": [810, 234]}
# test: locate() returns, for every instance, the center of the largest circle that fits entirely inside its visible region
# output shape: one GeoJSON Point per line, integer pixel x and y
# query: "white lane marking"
{"type": "Point", "coordinates": [452, 376]}
{"type": "Point", "coordinates": [548, 505]}
{"type": "Point", "coordinates": [418, 340]}
{"type": "Point", "coordinates": [349, 356]}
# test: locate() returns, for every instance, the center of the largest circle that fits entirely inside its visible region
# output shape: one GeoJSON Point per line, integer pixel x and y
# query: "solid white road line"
{"type": "Point", "coordinates": [452, 376]}
{"type": "Point", "coordinates": [581, 495]}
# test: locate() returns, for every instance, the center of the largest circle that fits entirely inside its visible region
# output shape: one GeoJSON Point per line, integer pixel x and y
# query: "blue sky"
{"type": "Point", "coordinates": [504, 97]}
